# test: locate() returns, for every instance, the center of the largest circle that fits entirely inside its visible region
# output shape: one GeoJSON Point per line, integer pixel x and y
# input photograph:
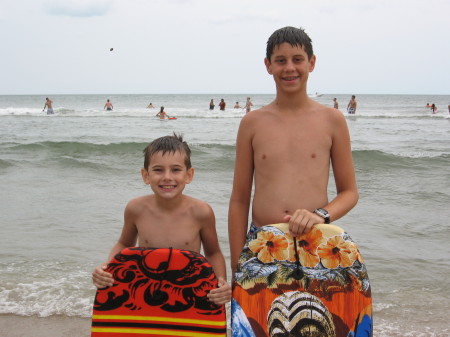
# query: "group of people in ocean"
{"type": "Point", "coordinates": [351, 106]}
{"type": "Point", "coordinates": [222, 105]}
{"type": "Point", "coordinates": [434, 108]}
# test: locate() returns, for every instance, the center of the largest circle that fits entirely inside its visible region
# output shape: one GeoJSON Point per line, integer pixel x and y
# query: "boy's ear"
{"type": "Point", "coordinates": [267, 63]}
{"type": "Point", "coordinates": [144, 174]}
{"type": "Point", "coordinates": [312, 63]}
{"type": "Point", "coordinates": [190, 175]}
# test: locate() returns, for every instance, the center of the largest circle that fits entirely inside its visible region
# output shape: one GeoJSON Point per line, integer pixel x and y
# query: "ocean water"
{"type": "Point", "coordinates": [66, 178]}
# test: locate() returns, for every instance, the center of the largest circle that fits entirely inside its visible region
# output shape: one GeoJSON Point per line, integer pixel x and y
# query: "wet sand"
{"type": "Point", "coordinates": [54, 326]}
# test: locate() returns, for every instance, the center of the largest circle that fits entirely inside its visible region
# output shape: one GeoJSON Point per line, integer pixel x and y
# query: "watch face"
{"type": "Point", "coordinates": [322, 212]}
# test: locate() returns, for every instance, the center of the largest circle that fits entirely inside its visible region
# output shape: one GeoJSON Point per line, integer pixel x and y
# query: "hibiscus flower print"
{"type": "Point", "coordinates": [307, 248]}
{"type": "Point", "coordinates": [337, 252]}
{"type": "Point", "coordinates": [270, 247]}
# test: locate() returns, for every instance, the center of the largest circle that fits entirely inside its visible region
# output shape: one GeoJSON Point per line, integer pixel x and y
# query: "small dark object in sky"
{"type": "Point", "coordinates": [111, 49]}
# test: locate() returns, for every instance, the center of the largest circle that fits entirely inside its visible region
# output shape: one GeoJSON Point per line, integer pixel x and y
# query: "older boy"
{"type": "Point", "coordinates": [286, 147]}
{"type": "Point", "coordinates": [168, 218]}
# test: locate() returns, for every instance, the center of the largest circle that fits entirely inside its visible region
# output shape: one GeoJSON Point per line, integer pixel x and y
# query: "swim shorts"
{"type": "Point", "coordinates": [50, 111]}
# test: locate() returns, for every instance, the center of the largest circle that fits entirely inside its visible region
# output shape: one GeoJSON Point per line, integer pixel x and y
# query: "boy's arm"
{"type": "Point", "coordinates": [241, 194]}
{"type": "Point", "coordinates": [100, 277]}
{"type": "Point", "coordinates": [302, 220]}
{"type": "Point", "coordinates": [214, 255]}
{"type": "Point", "coordinates": [343, 170]}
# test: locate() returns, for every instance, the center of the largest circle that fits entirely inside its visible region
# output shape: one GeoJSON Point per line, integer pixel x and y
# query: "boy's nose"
{"type": "Point", "coordinates": [290, 65]}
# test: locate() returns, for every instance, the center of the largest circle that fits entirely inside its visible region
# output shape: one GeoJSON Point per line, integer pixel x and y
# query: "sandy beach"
{"type": "Point", "coordinates": [54, 326]}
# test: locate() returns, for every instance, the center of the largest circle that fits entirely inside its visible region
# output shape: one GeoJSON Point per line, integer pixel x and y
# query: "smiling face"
{"type": "Point", "coordinates": [290, 67]}
{"type": "Point", "coordinates": [167, 174]}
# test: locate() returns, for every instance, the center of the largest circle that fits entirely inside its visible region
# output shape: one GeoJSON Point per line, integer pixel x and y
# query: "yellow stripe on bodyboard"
{"type": "Point", "coordinates": [156, 332]}
{"type": "Point", "coordinates": [157, 319]}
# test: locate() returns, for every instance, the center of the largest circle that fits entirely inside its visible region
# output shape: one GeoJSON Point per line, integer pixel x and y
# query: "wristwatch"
{"type": "Point", "coordinates": [324, 214]}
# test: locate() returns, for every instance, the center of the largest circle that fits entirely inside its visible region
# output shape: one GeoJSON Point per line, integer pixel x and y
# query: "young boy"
{"type": "Point", "coordinates": [286, 147]}
{"type": "Point", "coordinates": [168, 218]}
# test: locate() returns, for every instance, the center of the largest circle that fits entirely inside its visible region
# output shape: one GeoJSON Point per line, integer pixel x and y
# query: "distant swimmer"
{"type": "Point", "coordinates": [150, 106]}
{"type": "Point", "coordinates": [351, 107]}
{"type": "Point", "coordinates": [162, 114]}
{"type": "Point", "coordinates": [49, 106]}
{"type": "Point", "coordinates": [222, 104]}
{"type": "Point", "coordinates": [248, 105]}
{"type": "Point", "coordinates": [336, 104]}
{"type": "Point", "coordinates": [433, 108]}
{"type": "Point", "coordinates": [237, 106]}
{"type": "Point", "coordinates": [211, 105]}
{"type": "Point", "coordinates": [108, 105]}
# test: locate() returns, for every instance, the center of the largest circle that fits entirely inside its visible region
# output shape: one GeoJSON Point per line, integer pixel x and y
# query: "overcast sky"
{"type": "Point", "coordinates": [218, 46]}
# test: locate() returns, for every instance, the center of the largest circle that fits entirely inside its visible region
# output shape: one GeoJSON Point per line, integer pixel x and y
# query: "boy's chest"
{"type": "Point", "coordinates": [162, 233]}
{"type": "Point", "coordinates": [291, 142]}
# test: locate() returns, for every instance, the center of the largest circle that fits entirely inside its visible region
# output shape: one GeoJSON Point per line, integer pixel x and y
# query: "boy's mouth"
{"type": "Point", "coordinates": [167, 187]}
{"type": "Point", "coordinates": [290, 78]}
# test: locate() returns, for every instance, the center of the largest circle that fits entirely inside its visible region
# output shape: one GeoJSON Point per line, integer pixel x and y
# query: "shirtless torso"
{"type": "Point", "coordinates": [49, 106]}
{"type": "Point", "coordinates": [351, 107]}
{"type": "Point", "coordinates": [306, 139]}
{"type": "Point", "coordinates": [288, 153]}
{"type": "Point", "coordinates": [178, 226]}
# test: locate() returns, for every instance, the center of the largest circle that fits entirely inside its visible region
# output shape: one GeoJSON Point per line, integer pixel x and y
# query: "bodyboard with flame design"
{"type": "Point", "coordinates": [158, 292]}
{"type": "Point", "coordinates": [312, 285]}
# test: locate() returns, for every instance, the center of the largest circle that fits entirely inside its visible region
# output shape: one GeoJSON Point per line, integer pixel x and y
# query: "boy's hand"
{"type": "Point", "coordinates": [222, 294]}
{"type": "Point", "coordinates": [101, 278]}
{"type": "Point", "coordinates": [302, 221]}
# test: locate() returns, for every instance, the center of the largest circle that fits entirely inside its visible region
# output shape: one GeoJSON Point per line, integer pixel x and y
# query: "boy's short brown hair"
{"type": "Point", "coordinates": [293, 36]}
{"type": "Point", "coordinates": [168, 144]}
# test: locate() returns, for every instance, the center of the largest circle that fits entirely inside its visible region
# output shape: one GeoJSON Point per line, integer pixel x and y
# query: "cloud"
{"type": "Point", "coordinates": [78, 8]}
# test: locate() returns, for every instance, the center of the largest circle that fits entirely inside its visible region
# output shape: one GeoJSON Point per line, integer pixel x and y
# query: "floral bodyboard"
{"type": "Point", "coordinates": [312, 285]}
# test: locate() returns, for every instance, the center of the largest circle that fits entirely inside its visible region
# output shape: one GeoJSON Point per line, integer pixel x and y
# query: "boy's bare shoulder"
{"type": "Point", "coordinates": [254, 117]}
{"type": "Point", "coordinates": [328, 113]}
{"type": "Point", "coordinates": [261, 111]}
{"type": "Point", "coordinates": [138, 203]}
{"type": "Point", "coordinates": [200, 208]}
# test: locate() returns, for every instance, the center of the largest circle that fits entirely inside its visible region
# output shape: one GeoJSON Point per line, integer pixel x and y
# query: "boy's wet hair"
{"type": "Point", "coordinates": [169, 144]}
{"type": "Point", "coordinates": [296, 37]}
